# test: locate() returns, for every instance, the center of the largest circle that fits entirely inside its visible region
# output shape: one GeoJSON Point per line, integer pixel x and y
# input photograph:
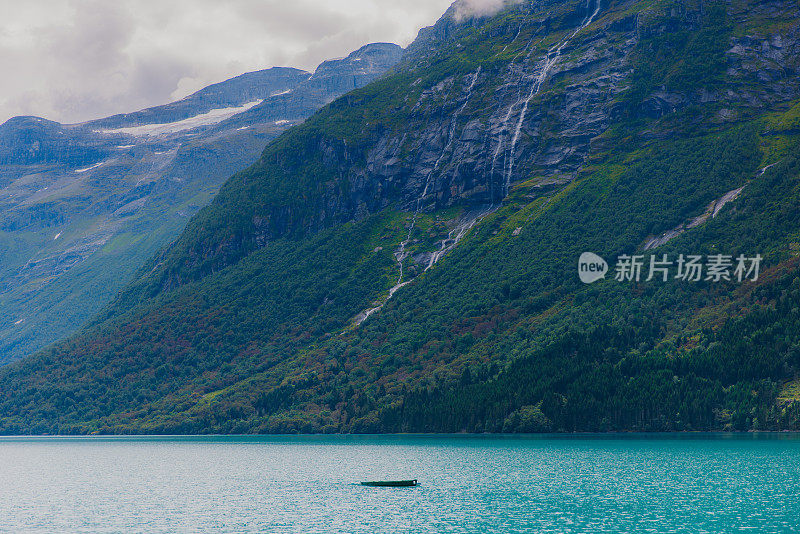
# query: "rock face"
{"type": "Point", "coordinates": [32, 140]}
{"type": "Point", "coordinates": [579, 99]}
{"type": "Point", "coordinates": [331, 79]}
{"type": "Point", "coordinates": [82, 206]}
{"type": "Point", "coordinates": [469, 138]}
{"type": "Point", "coordinates": [463, 150]}
{"type": "Point", "coordinates": [339, 76]}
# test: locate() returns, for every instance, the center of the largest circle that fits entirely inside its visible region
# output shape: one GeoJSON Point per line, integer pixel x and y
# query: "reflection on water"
{"type": "Point", "coordinates": [707, 483]}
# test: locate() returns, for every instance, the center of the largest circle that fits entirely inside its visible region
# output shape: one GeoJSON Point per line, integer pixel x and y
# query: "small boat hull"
{"type": "Point", "coordinates": [391, 483]}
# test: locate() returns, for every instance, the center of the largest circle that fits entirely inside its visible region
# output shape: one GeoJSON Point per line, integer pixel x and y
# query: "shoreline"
{"type": "Point", "coordinates": [356, 437]}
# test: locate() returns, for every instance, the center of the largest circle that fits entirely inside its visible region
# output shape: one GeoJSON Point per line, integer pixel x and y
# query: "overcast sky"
{"type": "Point", "coordinates": [75, 60]}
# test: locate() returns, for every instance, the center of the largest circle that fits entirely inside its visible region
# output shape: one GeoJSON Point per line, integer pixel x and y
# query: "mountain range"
{"type": "Point", "coordinates": [407, 258]}
{"type": "Point", "coordinates": [84, 205]}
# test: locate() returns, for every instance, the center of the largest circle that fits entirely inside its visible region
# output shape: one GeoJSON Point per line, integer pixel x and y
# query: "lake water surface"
{"type": "Point", "coordinates": [707, 483]}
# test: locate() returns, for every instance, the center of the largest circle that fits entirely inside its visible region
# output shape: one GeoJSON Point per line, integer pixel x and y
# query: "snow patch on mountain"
{"type": "Point", "coordinates": [215, 116]}
{"type": "Point", "coordinates": [87, 169]}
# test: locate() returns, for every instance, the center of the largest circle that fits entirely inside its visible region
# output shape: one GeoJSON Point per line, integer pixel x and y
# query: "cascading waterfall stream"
{"type": "Point", "coordinates": [509, 113]}
{"type": "Point", "coordinates": [451, 242]}
{"type": "Point", "coordinates": [553, 55]}
{"type": "Point", "coordinates": [428, 178]}
{"type": "Point", "coordinates": [514, 40]}
{"type": "Point", "coordinates": [551, 58]}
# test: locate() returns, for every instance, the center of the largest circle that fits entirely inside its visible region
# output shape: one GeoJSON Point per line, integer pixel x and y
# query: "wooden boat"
{"type": "Point", "coordinates": [391, 483]}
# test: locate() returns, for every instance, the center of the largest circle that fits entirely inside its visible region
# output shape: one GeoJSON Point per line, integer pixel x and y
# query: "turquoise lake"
{"type": "Point", "coordinates": [697, 483]}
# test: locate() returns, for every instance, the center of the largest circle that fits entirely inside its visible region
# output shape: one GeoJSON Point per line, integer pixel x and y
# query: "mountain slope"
{"type": "Point", "coordinates": [83, 206]}
{"type": "Point", "coordinates": [405, 260]}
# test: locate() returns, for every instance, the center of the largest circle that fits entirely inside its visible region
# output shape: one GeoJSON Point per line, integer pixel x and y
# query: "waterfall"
{"type": "Point", "coordinates": [552, 57]}
{"type": "Point", "coordinates": [428, 178]}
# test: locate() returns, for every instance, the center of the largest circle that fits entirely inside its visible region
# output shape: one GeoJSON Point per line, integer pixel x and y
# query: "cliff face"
{"type": "Point", "coordinates": [404, 260]}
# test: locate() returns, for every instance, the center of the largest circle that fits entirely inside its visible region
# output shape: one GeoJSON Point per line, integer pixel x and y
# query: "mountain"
{"type": "Point", "coordinates": [84, 205]}
{"type": "Point", "coordinates": [407, 259]}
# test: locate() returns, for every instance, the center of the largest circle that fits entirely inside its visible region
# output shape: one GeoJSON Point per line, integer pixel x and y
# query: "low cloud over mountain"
{"type": "Point", "coordinates": [76, 60]}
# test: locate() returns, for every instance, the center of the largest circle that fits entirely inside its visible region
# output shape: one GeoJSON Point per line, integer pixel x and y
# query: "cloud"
{"type": "Point", "coordinates": [481, 8]}
{"type": "Point", "coordinates": [76, 60]}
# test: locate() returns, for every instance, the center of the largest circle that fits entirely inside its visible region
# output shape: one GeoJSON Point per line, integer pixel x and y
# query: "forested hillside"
{"type": "Point", "coordinates": [407, 259]}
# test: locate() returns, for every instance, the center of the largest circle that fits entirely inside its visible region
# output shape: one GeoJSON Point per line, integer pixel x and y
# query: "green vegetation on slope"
{"type": "Point", "coordinates": [245, 324]}
{"type": "Point", "coordinates": [689, 59]}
